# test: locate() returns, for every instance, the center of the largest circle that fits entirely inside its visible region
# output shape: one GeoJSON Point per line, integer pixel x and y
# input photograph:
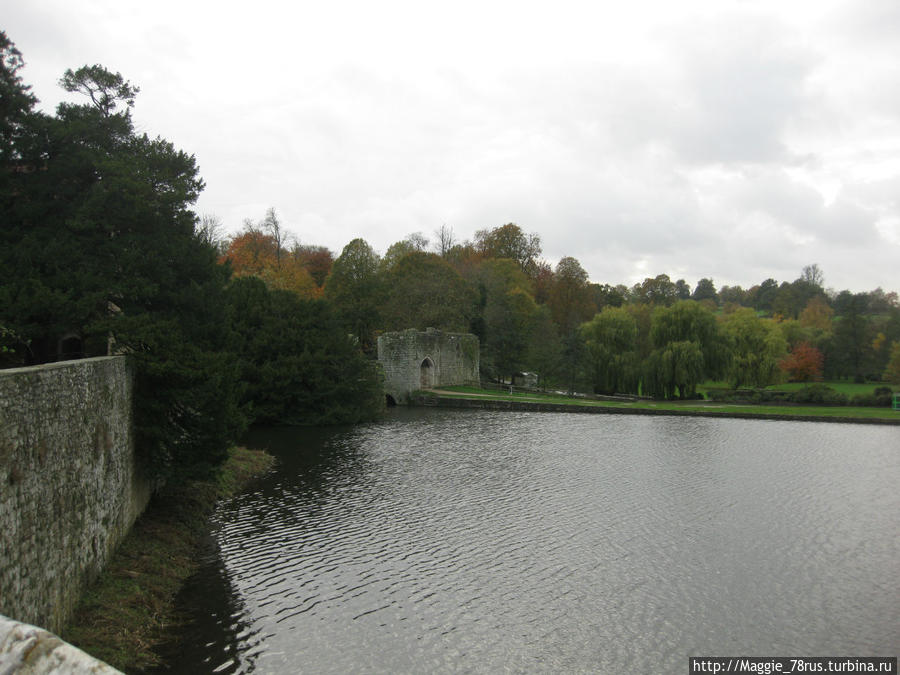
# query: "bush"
{"type": "Point", "coordinates": [882, 397]}
{"type": "Point", "coordinates": [818, 394]}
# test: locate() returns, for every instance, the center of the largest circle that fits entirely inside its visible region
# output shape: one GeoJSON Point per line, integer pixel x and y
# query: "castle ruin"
{"type": "Point", "coordinates": [413, 360]}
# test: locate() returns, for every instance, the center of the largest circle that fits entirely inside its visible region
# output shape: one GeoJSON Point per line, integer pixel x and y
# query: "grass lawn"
{"type": "Point", "coordinates": [684, 406]}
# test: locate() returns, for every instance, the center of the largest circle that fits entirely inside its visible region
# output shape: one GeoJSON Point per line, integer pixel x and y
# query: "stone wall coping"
{"type": "Point", "coordinates": [28, 649]}
{"type": "Point", "coordinates": [57, 364]}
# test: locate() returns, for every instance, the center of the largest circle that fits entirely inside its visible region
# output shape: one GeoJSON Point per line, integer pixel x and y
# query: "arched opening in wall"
{"type": "Point", "coordinates": [426, 374]}
{"type": "Point", "coordinates": [71, 347]}
{"type": "Point", "coordinates": [389, 401]}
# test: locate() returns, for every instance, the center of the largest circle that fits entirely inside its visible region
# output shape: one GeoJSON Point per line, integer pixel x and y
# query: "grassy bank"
{"type": "Point", "coordinates": [128, 609]}
{"type": "Point", "coordinates": [786, 411]}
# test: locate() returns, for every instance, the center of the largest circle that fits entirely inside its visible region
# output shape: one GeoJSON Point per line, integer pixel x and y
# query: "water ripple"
{"type": "Point", "coordinates": [478, 542]}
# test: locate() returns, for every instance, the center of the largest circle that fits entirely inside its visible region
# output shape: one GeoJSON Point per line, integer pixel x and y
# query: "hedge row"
{"type": "Point", "coordinates": [815, 394]}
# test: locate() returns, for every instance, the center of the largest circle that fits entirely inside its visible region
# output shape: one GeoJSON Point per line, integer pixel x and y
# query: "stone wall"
{"type": "Point", "coordinates": [69, 487]}
{"type": "Point", "coordinates": [414, 360]}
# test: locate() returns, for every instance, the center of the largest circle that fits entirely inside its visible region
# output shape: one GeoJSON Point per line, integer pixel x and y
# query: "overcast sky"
{"type": "Point", "coordinates": [736, 140]}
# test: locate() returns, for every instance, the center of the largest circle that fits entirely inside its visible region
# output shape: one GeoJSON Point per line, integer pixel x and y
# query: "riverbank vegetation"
{"type": "Point", "coordinates": [130, 608]}
{"type": "Point", "coordinates": [101, 252]}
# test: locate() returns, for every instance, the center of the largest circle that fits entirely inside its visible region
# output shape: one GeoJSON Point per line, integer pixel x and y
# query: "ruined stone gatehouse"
{"type": "Point", "coordinates": [413, 360]}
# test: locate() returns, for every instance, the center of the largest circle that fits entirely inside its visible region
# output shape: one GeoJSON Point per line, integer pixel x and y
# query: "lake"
{"type": "Point", "coordinates": [476, 541]}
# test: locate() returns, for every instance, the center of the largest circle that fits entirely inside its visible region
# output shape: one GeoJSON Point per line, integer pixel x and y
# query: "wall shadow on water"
{"type": "Point", "coordinates": [212, 630]}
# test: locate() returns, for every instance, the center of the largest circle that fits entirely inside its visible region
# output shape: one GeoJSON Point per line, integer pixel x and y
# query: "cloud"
{"type": "Point", "coordinates": [737, 141]}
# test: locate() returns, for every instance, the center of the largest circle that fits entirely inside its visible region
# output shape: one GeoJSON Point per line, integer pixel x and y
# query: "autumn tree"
{"type": "Point", "coordinates": [259, 251]}
{"type": "Point", "coordinates": [251, 252]}
{"type": "Point", "coordinates": [804, 363]}
{"type": "Point", "coordinates": [317, 260]}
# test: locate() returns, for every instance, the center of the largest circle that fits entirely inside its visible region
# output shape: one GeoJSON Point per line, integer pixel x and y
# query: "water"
{"type": "Point", "coordinates": [478, 542]}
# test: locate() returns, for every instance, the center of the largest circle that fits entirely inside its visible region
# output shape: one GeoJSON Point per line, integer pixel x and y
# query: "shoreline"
{"type": "Point", "coordinates": [130, 608]}
{"type": "Point", "coordinates": [487, 403]}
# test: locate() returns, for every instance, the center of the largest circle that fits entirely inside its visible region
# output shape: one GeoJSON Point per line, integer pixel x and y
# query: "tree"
{"type": "Point", "coordinates": [756, 349]}
{"type": "Point", "coordinates": [733, 295]}
{"type": "Point", "coordinates": [317, 260]}
{"type": "Point", "coordinates": [676, 367]}
{"type": "Point", "coordinates": [508, 311]}
{"type": "Point", "coordinates": [812, 275]}
{"type": "Point", "coordinates": [296, 361]}
{"type": "Point", "coordinates": [508, 241]}
{"type": "Point", "coordinates": [803, 364]}
{"type": "Point", "coordinates": [413, 243]}
{"type": "Point", "coordinates": [444, 240]}
{"type": "Point", "coordinates": [100, 243]}
{"type": "Point", "coordinates": [105, 89]}
{"type": "Point", "coordinates": [271, 225]}
{"type": "Point", "coordinates": [544, 351]}
{"type": "Point", "coordinates": [570, 304]}
{"type": "Point", "coordinates": [611, 345]}
{"type": "Point", "coordinates": [353, 285]}
{"type": "Point", "coordinates": [682, 290]}
{"type": "Point", "coordinates": [763, 296]}
{"type": "Point", "coordinates": [257, 252]}
{"type": "Point", "coordinates": [16, 101]}
{"type": "Point", "coordinates": [608, 296]}
{"type": "Point", "coordinates": [852, 337]}
{"type": "Point", "coordinates": [705, 290]}
{"type": "Point", "coordinates": [656, 291]}
{"type": "Point", "coordinates": [209, 230]}
{"type": "Point", "coordinates": [892, 372]}
{"type": "Point", "coordinates": [251, 252]}
{"type": "Point", "coordinates": [423, 291]}
{"type": "Point", "coordinates": [817, 316]}
{"type": "Point", "coordinates": [674, 364]}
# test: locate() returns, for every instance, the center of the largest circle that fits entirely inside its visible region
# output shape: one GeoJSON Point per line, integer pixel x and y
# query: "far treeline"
{"type": "Point", "coordinates": [100, 251]}
{"type": "Point", "coordinates": [658, 338]}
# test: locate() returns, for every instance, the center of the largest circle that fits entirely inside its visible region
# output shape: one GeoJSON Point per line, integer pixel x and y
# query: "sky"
{"type": "Point", "coordinates": [736, 140]}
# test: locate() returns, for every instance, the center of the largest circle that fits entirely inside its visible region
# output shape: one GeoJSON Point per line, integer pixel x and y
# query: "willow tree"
{"type": "Point", "coordinates": [689, 348]}
{"type": "Point", "coordinates": [610, 340]}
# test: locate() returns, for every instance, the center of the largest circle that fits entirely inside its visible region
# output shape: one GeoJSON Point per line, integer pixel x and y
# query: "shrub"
{"type": "Point", "coordinates": [882, 397]}
{"type": "Point", "coordinates": [820, 394]}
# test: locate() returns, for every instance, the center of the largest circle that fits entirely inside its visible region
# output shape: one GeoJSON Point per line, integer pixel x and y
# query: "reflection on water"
{"type": "Point", "coordinates": [471, 541]}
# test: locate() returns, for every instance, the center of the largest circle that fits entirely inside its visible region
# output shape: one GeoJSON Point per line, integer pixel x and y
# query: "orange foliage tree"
{"type": "Point", "coordinates": [255, 253]}
{"type": "Point", "coordinates": [804, 363]}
